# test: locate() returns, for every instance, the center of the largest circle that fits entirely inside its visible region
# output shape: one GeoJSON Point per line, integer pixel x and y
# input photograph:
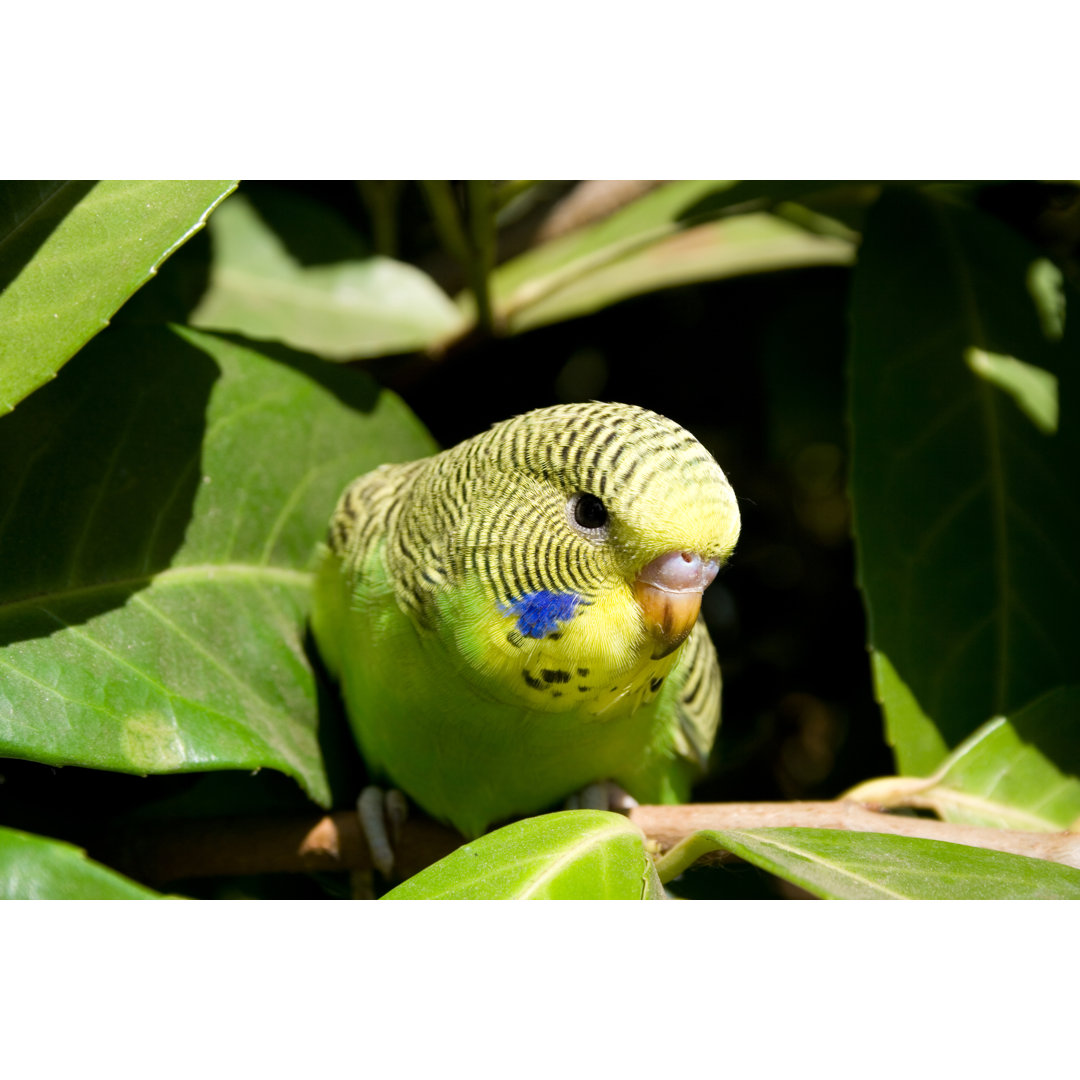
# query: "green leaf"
{"type": "Point", "coordinates": [660, 209]}
{"type": "Point", "coordinates": [902, 710]}
{"type": "Point", "coordinates": [750, 244]}
{"type": "Point", "coordinates": [1017, 772]}
{"type": "Point", "coordinates": [653, 243]}
{"type": "Point", "coordinates": [1047, 287]}
{"type": "Point", "coordinates": [1023, 771]}
{"type": "Point", "coordinates": [36, 868]}
{"type": "Point", "coordinates": [346, 310]}
{"type": "Point", "coordinates": [542, 271]}
{"type": "Point", "coordinates": [1033, 388]}
{"type": "Point", "coordinates": [749, 195]}
{"type": "Point", "coordinates": [840, 865]}
{"type": "Point", "coordinates": [572, 855]}
{"type": "Point", "coordinates": [965, 510]}
{"type": "Point", "coordinates": [72, 252]}
{"type": "Point", "coordinates": [159, 509]}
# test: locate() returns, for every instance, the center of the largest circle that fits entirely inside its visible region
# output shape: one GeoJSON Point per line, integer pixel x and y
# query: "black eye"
{"type": "Point", "coordinates": [588, 511]}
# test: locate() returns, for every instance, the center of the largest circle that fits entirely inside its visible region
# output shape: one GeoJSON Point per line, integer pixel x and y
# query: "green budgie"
{"type": "Point", "coordinates": [514, 619]}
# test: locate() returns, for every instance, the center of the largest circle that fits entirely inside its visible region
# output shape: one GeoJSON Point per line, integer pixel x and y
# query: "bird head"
{"type": "Point", "coordinates": [603, 506]}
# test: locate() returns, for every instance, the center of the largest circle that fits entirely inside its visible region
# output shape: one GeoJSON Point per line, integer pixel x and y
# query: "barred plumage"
{"type": "Point", "coordinates": [572, 447]}
{"type": "Point", "coordinates": [478, 549]}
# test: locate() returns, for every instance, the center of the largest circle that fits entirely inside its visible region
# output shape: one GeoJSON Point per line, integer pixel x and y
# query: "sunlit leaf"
{"type": "Point", "coordinates": [72, 252]}
{"type": "Point", "coordinates": [661, 239]}
{"type": "Point", "coordinates": [36, 868]}
{"type": "Point", "coordinates": [841, 865]}
{"type": "Point", "coordinates": [573, 855]}
{"type": "Point", "coordinates": [1017, 772]}
{"type": "Point", "coordinates": [356, 308]}
{"type": "Point", "coordinates": [1033, 388]}
{"type": "Point", "coordinates": [750, 244]}
{"type": "Point", "coordinates": [1047, 287]}
{"type": "Point", "coordinates": [540, 272]}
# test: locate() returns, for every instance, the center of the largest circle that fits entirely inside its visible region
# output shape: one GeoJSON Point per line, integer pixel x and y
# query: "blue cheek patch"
{"type": "Point", "coordinates": [542, 613]}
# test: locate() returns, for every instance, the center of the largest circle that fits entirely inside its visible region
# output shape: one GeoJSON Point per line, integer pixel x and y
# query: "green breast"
{"type": "Point", "coordinates": [469, 756]}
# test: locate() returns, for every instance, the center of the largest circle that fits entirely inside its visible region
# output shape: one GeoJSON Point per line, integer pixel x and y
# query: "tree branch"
{"type": "Point", "coordinates": [206, 848]}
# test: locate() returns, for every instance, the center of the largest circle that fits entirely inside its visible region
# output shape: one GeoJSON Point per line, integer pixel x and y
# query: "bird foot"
{"type": "Point", "coordinates": [381, 814]}
{"type": "Point", "coordinates": [603, 795]}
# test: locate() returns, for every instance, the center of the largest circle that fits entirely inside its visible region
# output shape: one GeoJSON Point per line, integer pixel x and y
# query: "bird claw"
{"type": "Point", "coordinates": [382, 814]}
{"type": "Point", "coordinates": [603, 795]}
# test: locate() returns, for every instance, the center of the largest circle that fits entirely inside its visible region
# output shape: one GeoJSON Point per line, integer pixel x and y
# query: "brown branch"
{"type": "Point", "coordinates": [205, 848]}
{"type": "Point", "coordinates": [158, 854]}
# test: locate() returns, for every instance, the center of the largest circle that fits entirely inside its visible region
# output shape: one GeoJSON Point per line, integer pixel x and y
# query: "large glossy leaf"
{"type": "Point", "coordinates": [966, 513]}
{"type": "Point", "coordinates": [840, 865]}
{"type": "Point", "coordinates": [36, 868]}
{"type": "Point", "coordinates": [573, 855]}
{"type": "Point", "coordinates": [159, 508]}
{"type": "Point", "coordinates": [345, 310]}
{"type": "Point", "coordinates": [72, 252]}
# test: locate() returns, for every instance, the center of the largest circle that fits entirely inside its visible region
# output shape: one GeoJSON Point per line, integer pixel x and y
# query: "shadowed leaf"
{"type": "Point", "coordinates": [965, 510]}
{"type": "Point", "coordinates": [345, 310]}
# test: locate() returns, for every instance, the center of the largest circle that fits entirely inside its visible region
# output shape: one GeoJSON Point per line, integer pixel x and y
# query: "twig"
{"type": "Point", "coordinates": [158, 854]}
{"type": "Point", "coordinates": [482, 233]}
{"type": "Point", "coordinates": [333, 842]}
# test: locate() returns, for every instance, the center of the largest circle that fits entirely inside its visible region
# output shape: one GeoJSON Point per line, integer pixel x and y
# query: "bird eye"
{"type": "Point", "coordinates": [588, 512]}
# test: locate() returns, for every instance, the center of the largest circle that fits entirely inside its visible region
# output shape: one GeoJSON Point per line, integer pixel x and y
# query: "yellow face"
{"type": "Point", "coordinates": [599, 658]}
{"type": "Point", "coordinates": [581, 562]}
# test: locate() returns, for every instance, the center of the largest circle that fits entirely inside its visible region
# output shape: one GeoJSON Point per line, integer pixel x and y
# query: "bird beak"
{"type": "Point", "coordinates": [668, 591]}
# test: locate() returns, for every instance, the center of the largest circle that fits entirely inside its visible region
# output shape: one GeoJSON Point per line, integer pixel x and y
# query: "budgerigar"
{"type": "Point", "coordinates": [516, 618]}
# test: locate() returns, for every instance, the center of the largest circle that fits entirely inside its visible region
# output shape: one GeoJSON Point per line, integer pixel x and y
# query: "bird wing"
{"type": "Point", "coordinates": [358, 526]}
{"type": "Point", "coordinates": [697, 704]}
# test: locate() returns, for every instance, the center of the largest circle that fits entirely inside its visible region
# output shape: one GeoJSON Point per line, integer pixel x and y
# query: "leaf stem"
{"type": "Point", "coordinates": [446, 218]}
{"type": "Point", "coordinates": [381, 198]}
{"type": "Point", "coordinates": [509, 190]}
{"type": "Point", "coordinates": [475, 248]}
{"type": "Point", "coordinates": [482, 228]}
